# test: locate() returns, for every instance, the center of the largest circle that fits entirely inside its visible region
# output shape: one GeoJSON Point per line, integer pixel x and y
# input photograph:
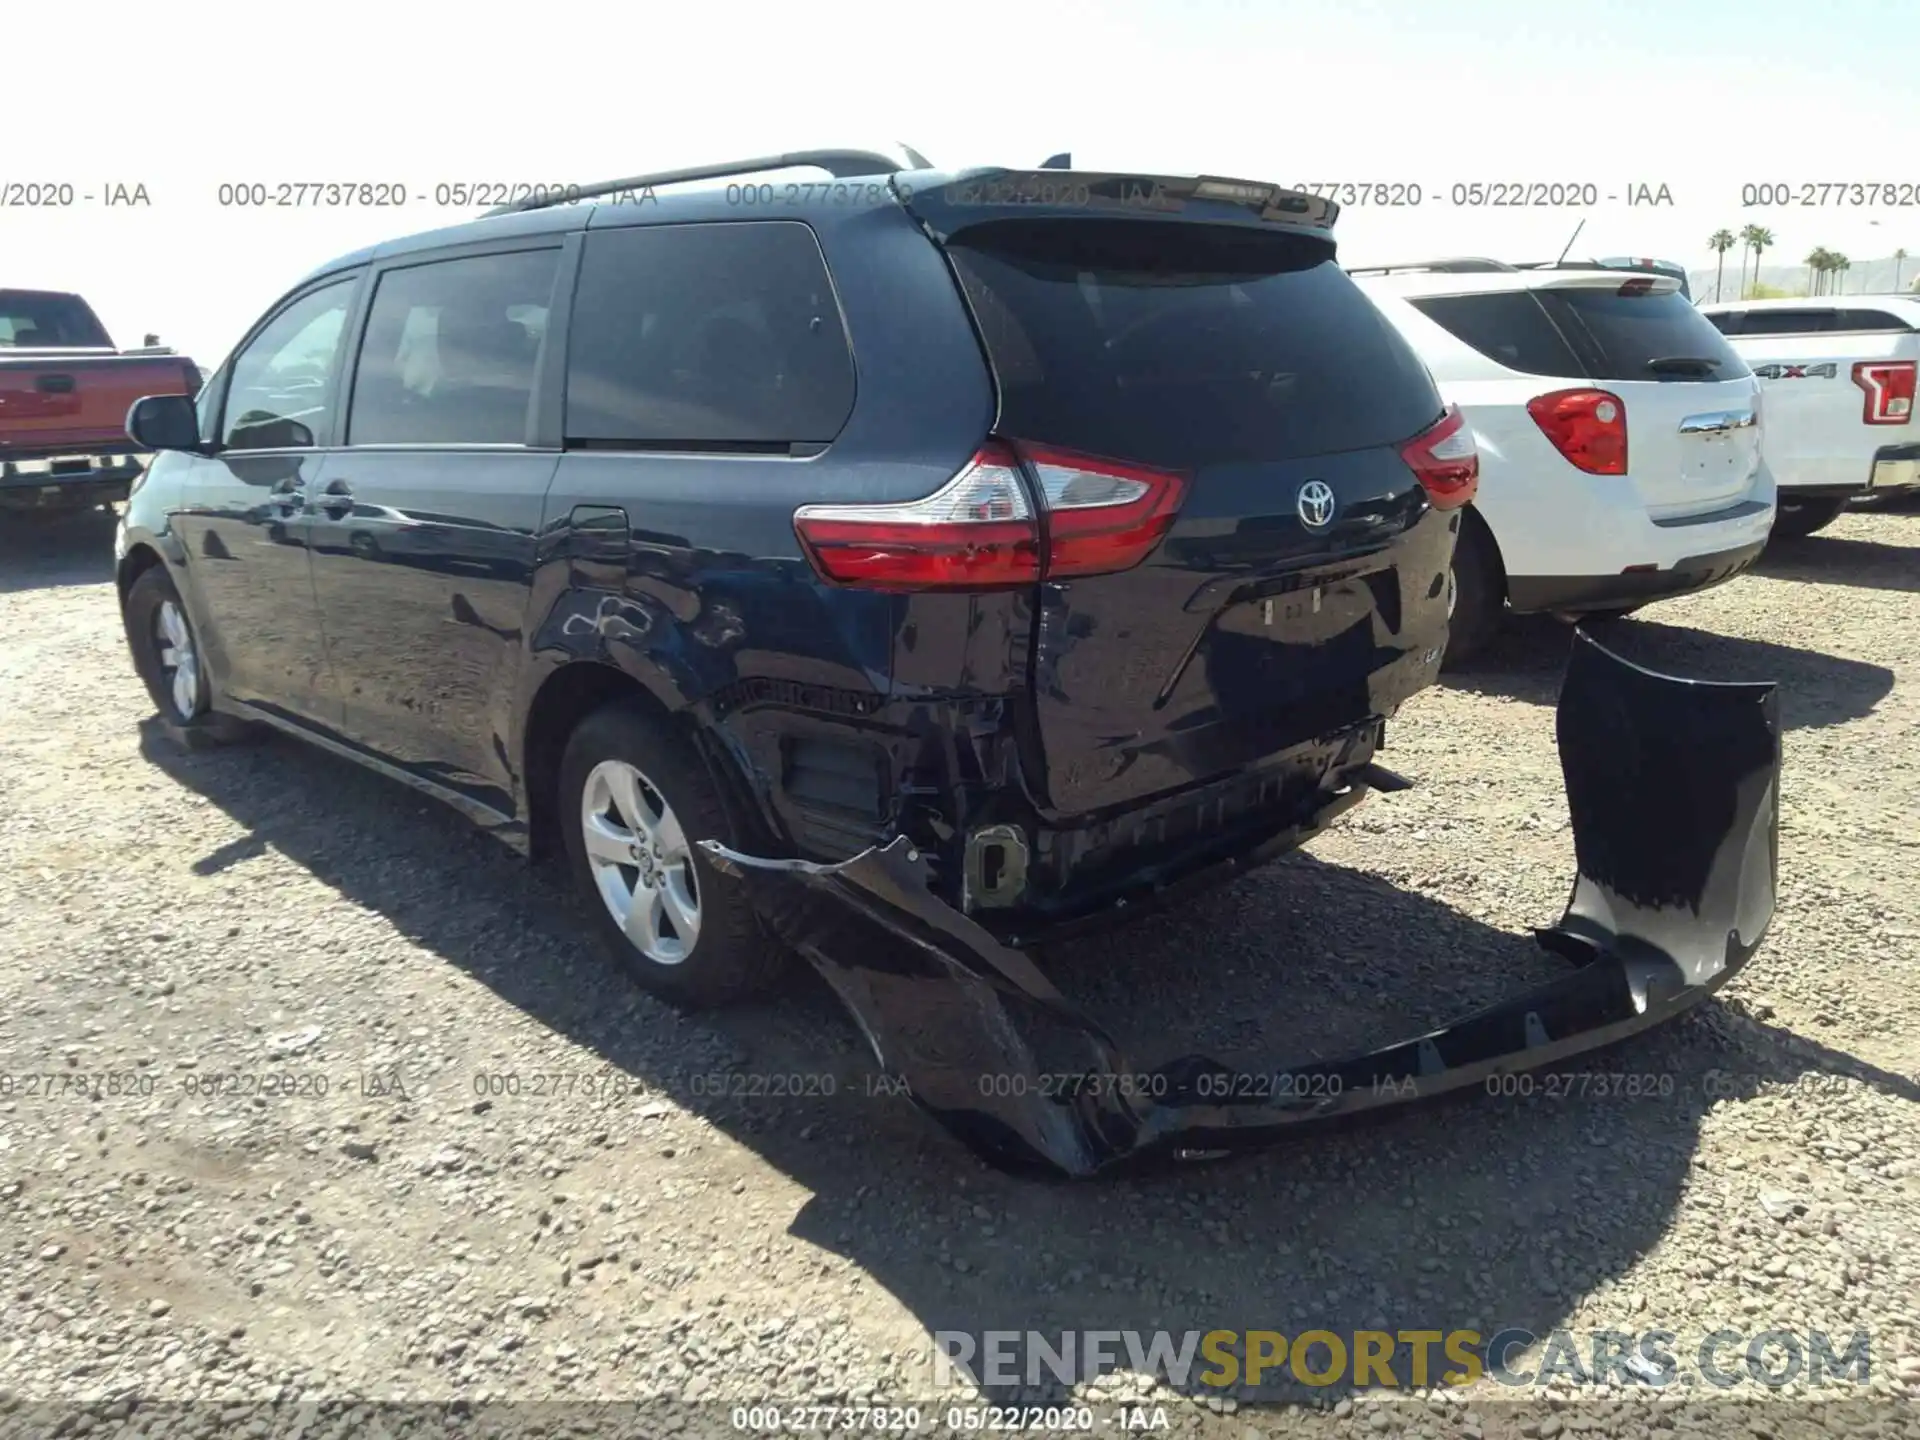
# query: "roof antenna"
{"type": "Point", "coordinates": [1576, 235]}
{"type": "Point", "coordinates": [914, 157]}
{"type": "Point", "coordinates": [1062, 161]}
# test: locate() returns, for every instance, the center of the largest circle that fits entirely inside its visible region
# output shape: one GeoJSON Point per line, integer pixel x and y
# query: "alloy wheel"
{"type": "Point", "coordinates": [179, 661]}
{"type": "Point", "coordinates": [642, 863]}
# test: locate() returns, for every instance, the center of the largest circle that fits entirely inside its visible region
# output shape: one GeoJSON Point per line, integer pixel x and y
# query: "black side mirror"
{"type": "Point", "coordinates": [163, 422]}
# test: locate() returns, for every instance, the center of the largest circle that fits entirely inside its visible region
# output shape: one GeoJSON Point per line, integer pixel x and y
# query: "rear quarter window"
{"type": "Point", "coordinates": [1508, 327]}
{"type": "Point", "coordinates": [707, 336]}
{"type": "Point", "coordinates": [1185, 344]}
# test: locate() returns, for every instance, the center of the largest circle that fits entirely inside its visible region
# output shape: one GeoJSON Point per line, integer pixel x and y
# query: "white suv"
{"type": "Point", "coordinates": [1619, 438]}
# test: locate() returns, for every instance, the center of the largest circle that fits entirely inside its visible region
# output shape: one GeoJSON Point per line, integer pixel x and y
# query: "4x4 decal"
{"type": "Point", "coordinates": [1825, 370]}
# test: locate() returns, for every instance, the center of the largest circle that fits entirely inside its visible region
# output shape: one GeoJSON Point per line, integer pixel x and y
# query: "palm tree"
{"type": "Point", "coordinates": [1823, 264]}
{"type": "Point", "coordinates": [1814, 264]}
{"type": "Point", "coordinates": [1841, 264]}
{"type": "Point", "coordinates": [1720, 242]}
{"type": "Point", "coordinates": [1899, 259]}
{"type": "Point", "coordinates": [1757, 240]}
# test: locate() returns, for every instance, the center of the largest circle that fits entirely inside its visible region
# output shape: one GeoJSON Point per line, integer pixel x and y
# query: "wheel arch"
{"type": "Point", "coordinates": [577, 688]}
{"type": "Point", "coordinates": [140, 558]}
{"type": "Point", "coordinates": [565, 697]}
{"type": "Point", "coordinates": [1470, 517]}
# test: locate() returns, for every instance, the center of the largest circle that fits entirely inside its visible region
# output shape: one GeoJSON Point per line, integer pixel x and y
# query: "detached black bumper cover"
{"type": "Point", "coordinates": [1672, 786]}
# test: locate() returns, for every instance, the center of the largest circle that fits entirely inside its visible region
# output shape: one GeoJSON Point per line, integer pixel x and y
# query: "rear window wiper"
{"type": "Point", "coordinates": [1682, 365]}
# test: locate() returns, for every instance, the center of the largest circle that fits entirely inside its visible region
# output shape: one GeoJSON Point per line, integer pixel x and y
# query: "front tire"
{"type": "Point", "coordinates": [1797, 519]}
{"type": "Point", "coordinates": [168, 658]}
{"type": "Point", "coordinates": [635, 798]}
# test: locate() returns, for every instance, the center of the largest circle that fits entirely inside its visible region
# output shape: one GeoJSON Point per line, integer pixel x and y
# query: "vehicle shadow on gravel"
{"type": "Point", "coordinates": [1837, 560]}
{"type": "Point", "coordinates": [1528, 659]}
{"type": "Point", "coordinates": [1486, 1212]}
{"type": "Point", "coordinates": [42, 552]}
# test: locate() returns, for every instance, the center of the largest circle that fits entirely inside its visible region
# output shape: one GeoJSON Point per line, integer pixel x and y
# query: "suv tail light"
{"type": "Point", "coordinates": [1103, 516]}
{"type": "Point", "coordinates": [1889, 385]}
{"type": "Point", "coordinates": [1589, 427]}
{"type": "Point", "coordinates": [979, 531]}
{"type": "Point", "coordinates": [974, 532]}
{"type": "Point", "coordinates": [1446, 460]}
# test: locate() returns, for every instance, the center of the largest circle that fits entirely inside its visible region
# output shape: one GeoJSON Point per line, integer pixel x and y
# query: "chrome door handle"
{"type": "Point", "coordinates": [337, 500]}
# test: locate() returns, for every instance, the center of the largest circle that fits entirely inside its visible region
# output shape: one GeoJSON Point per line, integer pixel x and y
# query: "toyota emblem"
{"type": "Point", "coordinates": [1315, 504]}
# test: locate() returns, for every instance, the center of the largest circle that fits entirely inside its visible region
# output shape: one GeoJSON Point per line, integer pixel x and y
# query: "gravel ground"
{"type": "Point", "coordinates": [428, 1229]}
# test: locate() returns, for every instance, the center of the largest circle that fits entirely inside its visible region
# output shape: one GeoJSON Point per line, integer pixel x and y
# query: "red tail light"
{"type": "Point", "coordinates": [1103, 516]}
{"type": "Point", "coordinates": [1446, 461]}
{"type": "Point", "coordinates": [974, 533]}
{"type": "Point", "coordinates": [1889, 385]}
{"type": "Point", "coordinates": [979, 531]}
{"type": "Point", "coordinates": [1589, 427]}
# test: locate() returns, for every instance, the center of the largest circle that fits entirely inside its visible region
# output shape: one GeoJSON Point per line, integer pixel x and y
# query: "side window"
{"type": "Point", "coordinates": [451, 350]}
{"type": "Point", "coordinates": [1787, 322]}
{"type": "Point", "coordinates": [281, 393]}
{"type": "Point", "coordinates": [1507, 326]}
{"type": "Point", "coordinates": [704, 336]}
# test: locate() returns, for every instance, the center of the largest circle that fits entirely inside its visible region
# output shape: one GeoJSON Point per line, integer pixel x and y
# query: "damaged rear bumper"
{"type": "Point", "coordinates": [1672, 788]}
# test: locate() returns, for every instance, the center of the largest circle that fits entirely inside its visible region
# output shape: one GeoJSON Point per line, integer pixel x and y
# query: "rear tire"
{"type": "Point", "coordinates": [1478, 599]}
{"type": "Point", "coordinates": [635, 799]}
{"type": "Point", "coordinates": [1797, 519]}
{"type": "Point", "coordinates": [168, 658]}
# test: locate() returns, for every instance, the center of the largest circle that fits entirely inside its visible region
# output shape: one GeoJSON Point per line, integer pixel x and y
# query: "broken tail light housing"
{"type": "Point", "coordinates": [1445, 460]}
{"type": "Point", "coordinates": [1889, 385]}
{"type": "Point", "coordinates": [1588, 427]}
{"type": "Point", "coordinates": [981, 531]}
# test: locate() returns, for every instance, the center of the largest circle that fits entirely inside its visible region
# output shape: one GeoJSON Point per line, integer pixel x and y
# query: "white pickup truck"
{"type": "Point", "coordinates": [1837, 380]}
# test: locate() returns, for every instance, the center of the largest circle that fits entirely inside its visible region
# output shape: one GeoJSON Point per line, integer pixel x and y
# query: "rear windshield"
{"type": "Point", "coordinates": [1184, 344]}
{"type": "Point", "coordinates": [33, 320]}
{"type": "Point", "coordinates": [1621, 336]}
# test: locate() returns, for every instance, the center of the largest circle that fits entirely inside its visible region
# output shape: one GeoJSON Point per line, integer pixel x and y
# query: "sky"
{"type": "Point", "coordinates": [1701, 97]}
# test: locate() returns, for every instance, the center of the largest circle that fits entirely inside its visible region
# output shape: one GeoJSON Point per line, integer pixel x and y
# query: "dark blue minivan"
{"type": "Point", "coordinates": [1083, 529]}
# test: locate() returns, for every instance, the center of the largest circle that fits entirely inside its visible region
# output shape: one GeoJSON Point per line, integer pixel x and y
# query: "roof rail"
{"type": "Point", "coordinates": [838, 163]}
{"type": "Point", "coordinates": [1464, 265]}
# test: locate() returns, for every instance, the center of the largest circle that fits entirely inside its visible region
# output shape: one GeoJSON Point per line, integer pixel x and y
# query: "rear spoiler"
{"type": "Point", "coordinates": [1639, 265]}
{"type": "Point", "coordinates": [940, 199]}
{"type": "Point", "coordinates": [1626, 282]}
{"type": "Point", "coordinates": [1463, 265]}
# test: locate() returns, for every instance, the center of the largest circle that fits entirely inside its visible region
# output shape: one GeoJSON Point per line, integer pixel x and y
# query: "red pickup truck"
{"type": "Point", "coordinates": [64, 395]}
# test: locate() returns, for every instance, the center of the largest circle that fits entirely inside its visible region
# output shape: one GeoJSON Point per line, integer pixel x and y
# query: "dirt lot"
{"type": "Point", "coordinates": [417, 1214]}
